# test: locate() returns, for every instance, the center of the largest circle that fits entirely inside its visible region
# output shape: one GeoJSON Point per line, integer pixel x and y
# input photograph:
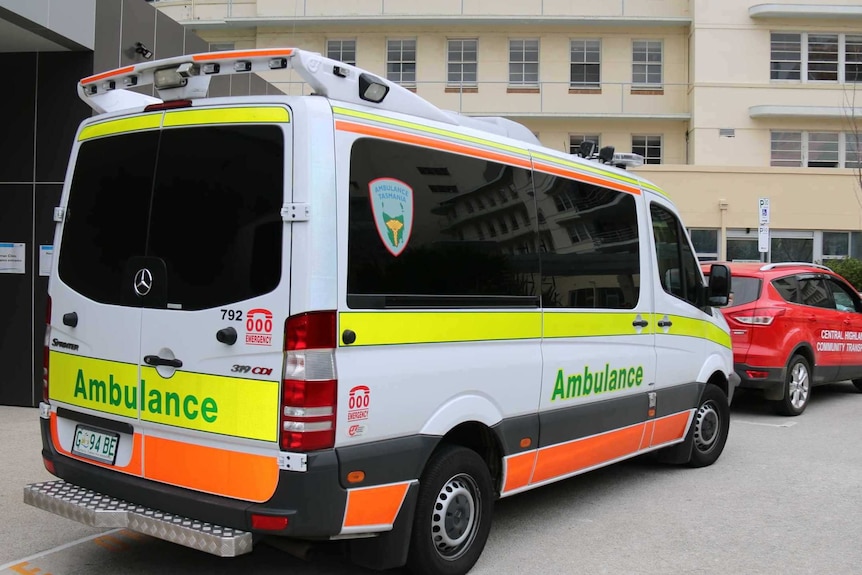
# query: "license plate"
{"type": "Point", "coordinates": [98, 445]}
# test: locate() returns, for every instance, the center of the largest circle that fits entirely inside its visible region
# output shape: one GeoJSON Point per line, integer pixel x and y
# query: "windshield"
{"type": "Point", "coordinates": [204, 202]}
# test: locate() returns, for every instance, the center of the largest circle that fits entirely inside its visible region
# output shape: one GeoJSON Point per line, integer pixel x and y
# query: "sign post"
{"type": "Point", "coordinates": [763, 230]}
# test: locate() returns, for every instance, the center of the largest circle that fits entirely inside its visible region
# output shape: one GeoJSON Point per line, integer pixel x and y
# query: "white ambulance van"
{"type": "Point", "coordinates": [353, 315]}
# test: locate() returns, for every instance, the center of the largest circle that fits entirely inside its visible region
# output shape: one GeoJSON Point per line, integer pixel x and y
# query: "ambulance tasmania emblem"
{"type": "Point", "coordinates": [392, 205]}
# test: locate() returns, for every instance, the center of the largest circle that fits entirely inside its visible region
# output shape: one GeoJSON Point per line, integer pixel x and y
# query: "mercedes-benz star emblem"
{"type": "Point", "coordinates": [143, 282]}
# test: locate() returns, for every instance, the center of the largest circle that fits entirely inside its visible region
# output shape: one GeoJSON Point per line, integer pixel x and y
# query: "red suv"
{"type": "Point", "coordinates": [793, 326]}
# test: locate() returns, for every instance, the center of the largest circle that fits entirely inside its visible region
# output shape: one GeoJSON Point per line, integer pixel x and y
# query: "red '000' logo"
{"type": "Point", "coordinates": [258, 327]}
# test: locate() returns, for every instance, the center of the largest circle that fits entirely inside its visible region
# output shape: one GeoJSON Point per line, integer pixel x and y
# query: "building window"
{"type": "Point", "coordinates": [401, 61]}
{"type": "Point", "coordinates": [586, 67]}
{"type": "Point", "coordinates": [647, 63]}
{"type": "Point", "coordinates": [462, 62]}
{"type": "Point", "coordinates": [705, 244]}
{"type": "Point", "coordinates": [342, 50]}
{"type": "Point", "coordinates": [836, 245]}
{"type": "Point", "coordinates": [524, 62]}
{"type": "Point", "coordinates": [649, 147]}
{"type": "Point", "coordinates": [221, 46]}
{"type": "Point", "coordinates": [815, 149]}
{"type": "Point", "coordinates": [816, 57]}
{"type": "Point", "coordinates": [575, 140]}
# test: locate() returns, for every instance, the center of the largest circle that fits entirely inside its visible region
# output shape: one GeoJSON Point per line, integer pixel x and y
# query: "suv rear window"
{"type": "Point", "coordinates": [744, 290]}
{"type": "Point", "coordinates": [188, 196]}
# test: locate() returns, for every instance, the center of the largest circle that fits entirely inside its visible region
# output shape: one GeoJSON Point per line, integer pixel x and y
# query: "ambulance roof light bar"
{"type": "Point", "coordinates": [187, 77]}
{"type": "Point", "coordinates": [607, 155]}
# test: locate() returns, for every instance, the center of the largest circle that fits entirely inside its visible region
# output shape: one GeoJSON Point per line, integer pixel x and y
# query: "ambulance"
{"type": "Point", "coordinates": [352, 315]}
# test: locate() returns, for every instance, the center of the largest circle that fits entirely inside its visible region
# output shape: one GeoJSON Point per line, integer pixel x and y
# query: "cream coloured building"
{"type": "Point", "coordinates": [730, 101]}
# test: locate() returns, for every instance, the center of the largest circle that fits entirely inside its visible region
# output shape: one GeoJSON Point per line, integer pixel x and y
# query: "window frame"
{"type": "Point", "coordinates": [401, 62]}
{"type": "Point", "coordinates": [804, 57]}
{"type": "Point", "coordinates": [843, 152]}
{"type": "Point", "coordinates": [462, 63]}
{"type": "Point", "coordinates": [340, 49]}
{"type": "Point", "coordinates": [646, 84]}
{"type": "Point", "coordinates": [523, 83]}
{"type": "Point", "coordinates": [584, 52]}
{"type": "Point", "coordinates": [646, 147]}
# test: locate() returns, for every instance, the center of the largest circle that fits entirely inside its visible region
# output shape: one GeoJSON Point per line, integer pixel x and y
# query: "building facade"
{"type": "Point", "coordinates": [729, 102]}
{"type": "Point", "coordinates": [46, 47]}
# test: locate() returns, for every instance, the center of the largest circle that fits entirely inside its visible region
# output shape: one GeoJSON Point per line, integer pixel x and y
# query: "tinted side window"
{"type": "Point", "coordinates": [677, 266]}
{"type": "Point", "coordinates": [106, 217]}
{"type": "Point", "coordinates": [814, 292]}
{"type": "Point", "coordinates": [788, 288]}
{"type": "Point", "coordinates": [845, 300]}
{"type": "Point", "coordinates": [744, 290]}
{"type": "Point", "coordinates": [434, 229]}
{"type": "Point", "coordinates": [589, 238]}
{"type": "Point", "coordinates": [216, 218]}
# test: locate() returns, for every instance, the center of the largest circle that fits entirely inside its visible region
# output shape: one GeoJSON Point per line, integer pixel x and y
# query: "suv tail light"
{"type": "Point", "coordinates": [760, 317]}
{"type": "Point", "coordinates": [309, 382]}
{"type": "Point", "coordinates": [46, 355]}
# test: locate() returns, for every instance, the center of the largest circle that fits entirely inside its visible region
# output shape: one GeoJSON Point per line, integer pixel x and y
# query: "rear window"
{"type": "Point", "coordinates": [189, 197]}
{"type": "Point", "coordinates": [743, 290]}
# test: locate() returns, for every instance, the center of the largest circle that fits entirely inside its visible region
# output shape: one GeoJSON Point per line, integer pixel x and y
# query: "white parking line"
{"type": "Point", "coordinates": [56, 549]}
{"type": "Point", "coordinates": [788, 424]}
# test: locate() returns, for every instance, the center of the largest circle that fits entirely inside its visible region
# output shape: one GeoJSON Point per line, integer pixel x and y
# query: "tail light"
{"type": "Point", "coordinates": [761, 316]}
{"type": "Point", "coordinates": [46, 356]}
{"type": "Point", "coordinates": [309, 382]}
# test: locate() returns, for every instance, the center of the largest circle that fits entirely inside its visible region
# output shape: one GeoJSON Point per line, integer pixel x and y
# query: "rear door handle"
{"type": "Point", "coordinates": [159, 361]}
{"type": "Point", "coordinates": [640, 323]}
{"type": "Point", "coordinates": [665, 323]}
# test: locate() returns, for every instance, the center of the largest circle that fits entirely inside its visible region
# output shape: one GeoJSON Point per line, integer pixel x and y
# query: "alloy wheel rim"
{"type": "Point", "coordinates": [799, 386]}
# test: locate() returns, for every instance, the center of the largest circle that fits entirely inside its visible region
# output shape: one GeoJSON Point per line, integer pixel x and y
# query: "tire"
{"type": "Point", "coordinates": [453, 513]}
{"type": "Point", "coordinates": [858, 384]}
{"type": "Point", "coordinates": [710, 427]}
{"type": "Point", "coordinates": [797, 387]}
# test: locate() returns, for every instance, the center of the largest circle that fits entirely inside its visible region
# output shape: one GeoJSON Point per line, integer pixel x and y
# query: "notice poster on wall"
{"type": "Point", "coordinates": [12, 258]}
{"type": "Point", "coordinates": [46, 260]}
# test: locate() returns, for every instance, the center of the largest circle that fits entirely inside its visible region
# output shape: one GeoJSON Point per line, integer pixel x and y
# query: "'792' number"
{"type": "Point", "coordinates": [231, 314]}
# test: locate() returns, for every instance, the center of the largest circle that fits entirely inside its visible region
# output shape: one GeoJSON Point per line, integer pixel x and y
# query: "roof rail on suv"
{"type": "Point", "coordinates": [768, 267]}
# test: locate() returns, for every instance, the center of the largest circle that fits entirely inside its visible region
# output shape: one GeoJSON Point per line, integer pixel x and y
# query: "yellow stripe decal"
{"type": "Point", "coordinates": [654, 188]}
{"type": "Point", "coordinates": [132, 124]}
{"type": "Point", "coordinates": [430, 130]}
{"type": "Point", "coordinates": [586, 324]}
{"type": "Point", "coordinates": [686, 326]}
{"type": "Point", "coordinates": [395, 327]}
{"type": "Point", "coordinates": [211, 403]}
{"type": "Point", "coordinates": [586, 168]}
{"type": "Point", "coordinates": [248, 115]}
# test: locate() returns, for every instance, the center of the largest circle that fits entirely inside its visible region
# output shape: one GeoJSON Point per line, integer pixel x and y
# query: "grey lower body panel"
{"type": "Point", "coordinates": [98, 510]}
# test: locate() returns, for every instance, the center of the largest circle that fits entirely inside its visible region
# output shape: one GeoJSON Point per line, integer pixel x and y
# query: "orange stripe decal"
{"type": "Point", "coordinates": [108, 74]}
{"type": "Point", "coordinates": [518, 470]}
{"type": "Point", "coordinates": [572, 174]}
{"type": "Point", "coordinates": [581, 454]}
{"type": "Point", "coordinates": [649, 428]}
{"type": "Point", "coordinates": [227, 55]}
{"type": "Point", "coordinates": [368, 506]}
{"type": "Point", "coordinates": [219, 471]}
{"type": "Point", "coordinates": [670, 428]}
{"type": "Point", "coordinates": [133, 468]}
{"type": "Point", "coordinates": [430, 143]}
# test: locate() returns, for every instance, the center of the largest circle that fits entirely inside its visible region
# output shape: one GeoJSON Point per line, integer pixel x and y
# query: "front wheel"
{"type": "Point", "coordinates": [797, 387]}
{"type": "Point", "coordinates": [710, 427]}
{"type": "Point", "coordinates": [453, 513]}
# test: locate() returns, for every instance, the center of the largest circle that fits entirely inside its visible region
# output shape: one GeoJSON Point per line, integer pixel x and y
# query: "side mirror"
{"type": "Point", "coordinates": [718, 291]}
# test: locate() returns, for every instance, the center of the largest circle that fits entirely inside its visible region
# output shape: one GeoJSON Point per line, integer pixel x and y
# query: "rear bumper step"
{"type": "Point", "coordinates": [97, 510]}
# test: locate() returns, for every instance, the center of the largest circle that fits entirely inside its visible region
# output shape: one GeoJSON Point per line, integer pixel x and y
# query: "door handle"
{"type": "Point", "coordinates": [812, 317]}
{"type": "Point", "coordinates": [640, 323]}
{"type": "Point", "coordinates": [160, 361]}
{"type": "Point", "coordinates": [665, 323]}
{"type": "Point", "coordinates": [846, 322]}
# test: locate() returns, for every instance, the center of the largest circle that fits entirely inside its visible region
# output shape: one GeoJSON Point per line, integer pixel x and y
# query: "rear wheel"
{"type": "Point", "coordinates": [797, 387]}
{"type": "Point", "coordinates": [710, 427]}
{"type": "Point", "coordinates": [858, 384]}
{"type": "Point", "coordinates": [453, 513]}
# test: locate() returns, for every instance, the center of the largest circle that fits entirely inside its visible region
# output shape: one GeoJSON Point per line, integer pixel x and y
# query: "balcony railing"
{"type": "Point", "coordinates": [546, 99]}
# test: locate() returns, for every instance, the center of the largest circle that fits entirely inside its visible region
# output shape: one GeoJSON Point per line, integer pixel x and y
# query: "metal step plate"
{"type": "Point", "coordinates": [97, 510]}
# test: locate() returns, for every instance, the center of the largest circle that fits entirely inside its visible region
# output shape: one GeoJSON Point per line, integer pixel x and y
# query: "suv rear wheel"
{"type": "Point", "coordinates": [858, 384]}
{"type": "Point", "coordinates": [797, 387]}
